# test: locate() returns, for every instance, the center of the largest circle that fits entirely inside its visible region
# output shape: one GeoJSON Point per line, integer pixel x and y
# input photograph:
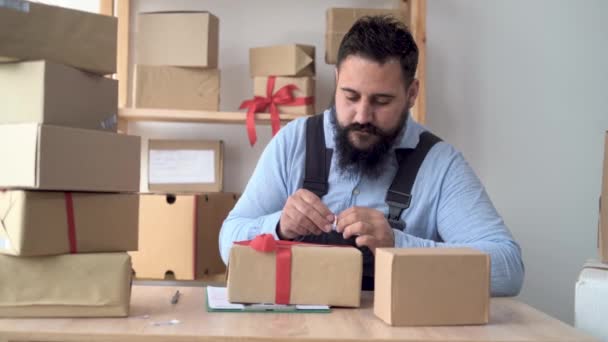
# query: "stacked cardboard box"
{"type": "Point", "coordinates": [68, 204]}
{"type": "Point", "coordinates": [340, 20]}
{"type": "Point", "coordinates": [603, 222]}
{"type": "Point", "coordinates": [176, 61]}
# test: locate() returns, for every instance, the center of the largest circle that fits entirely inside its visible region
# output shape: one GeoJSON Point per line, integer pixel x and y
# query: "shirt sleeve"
{"type": "Point", "coordinates": [259, 208]}
{"type": "Point", "coordinates": [466, 217]}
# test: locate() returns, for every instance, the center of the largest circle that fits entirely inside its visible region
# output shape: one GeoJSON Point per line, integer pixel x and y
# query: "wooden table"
{"type": "Point", "coordinates": [510, 321]}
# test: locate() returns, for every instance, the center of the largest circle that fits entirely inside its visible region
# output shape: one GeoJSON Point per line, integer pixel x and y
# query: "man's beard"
{"type": "Point", "coordinates": [371, 161]}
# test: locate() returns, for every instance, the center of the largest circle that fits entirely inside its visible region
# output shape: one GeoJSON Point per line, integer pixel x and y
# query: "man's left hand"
{"type": "Point", "coordinates": [369, 225]}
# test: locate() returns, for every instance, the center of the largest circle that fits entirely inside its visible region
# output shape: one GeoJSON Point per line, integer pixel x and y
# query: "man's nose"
{"type": "Point", "coordinates": [364, 113]}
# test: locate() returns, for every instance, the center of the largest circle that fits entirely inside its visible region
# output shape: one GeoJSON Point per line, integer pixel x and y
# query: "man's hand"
{"type": "Point", "coordinates": [304, 214]}
{"type": "Point", "coordinates": [369, 225]}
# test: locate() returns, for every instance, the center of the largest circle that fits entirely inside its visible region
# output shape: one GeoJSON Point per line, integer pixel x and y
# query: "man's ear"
{"type": "Point", "coordinates": [412, 93]}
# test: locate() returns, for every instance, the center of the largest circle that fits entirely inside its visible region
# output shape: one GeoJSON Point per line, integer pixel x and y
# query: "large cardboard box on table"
{"type": "Point", "coordinates": [182, 166]}
{"type": "Point", "coordinates": [179, 234]}
{"type": "Point", "coordinates": [49, 93]}
{"type": "Point", "coordinates": [31, 30]}
{"type": "Point", "coordinates": [432, 286]}
{"type": "Point", "coordinates": [603, 230]}
{"type": "Point", "coordinates": [305, 89]}
{"type": "Point", "coordinates": [38, 223]}
{"type": "Point", "coordinates": [48, 157]}
{"type": "Point", "coordinates": [188, 39]}
{"type": "Point", "coordinates": [71, 285]}
{"type": "Point", "coordinates": [282, 60]}
{"type": "Point", "coordinates": [340, 20]}
{"type": "Point", "coordinates": [320, 275]}
{"type": "Point", "coordinates": [170, 87]}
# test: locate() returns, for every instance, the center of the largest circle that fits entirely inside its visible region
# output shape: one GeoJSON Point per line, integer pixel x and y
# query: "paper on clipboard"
{"type": "Point", "coordinates": [217, 299]}
{"type": "Point", "coordinates": [181, 166]}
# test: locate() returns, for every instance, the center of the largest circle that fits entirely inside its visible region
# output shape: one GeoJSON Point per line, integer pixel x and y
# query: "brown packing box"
{"type": "Point", "coordinates": [30, 30]}
{"type": "Point", "coordinates": [178, 39]}
{"type": "Point", "coordinates": [168, 226]}
{"type": "Point", "coordinates": [185, 166]}
{"type": "Point", "coordinates": [35, 223]}
{"type": "Point", "coordinates": [432, 286]}
{"type": "Point", "coordinates": [169, 87]}
{"type": "Point", "coordinates": [72, 285]}
{"type": "Point", "coordinates": [320, 275]}
{"type": "Point", "coordinates": [48, 157]}
{"type": "Point", "coordinates": [51, 93]}
{"type": "Point", "coordinates": [603, 233]}
{"type": "Point", "coordinates": [306, 87]}
{"type": "Point", "coordinates": [282, 60]}
{"type": "Point", "coordinates": [340, 20]}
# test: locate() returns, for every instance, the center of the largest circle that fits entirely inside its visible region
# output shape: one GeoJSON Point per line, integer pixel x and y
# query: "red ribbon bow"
{"type": "Point", "coordinates": [283, 97]}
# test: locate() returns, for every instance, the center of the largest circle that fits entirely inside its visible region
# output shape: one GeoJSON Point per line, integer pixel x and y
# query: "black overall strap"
{"type": "Point", "coordinates": [318, 157]}
{"type": "Point", "coordinates": [399, 194]}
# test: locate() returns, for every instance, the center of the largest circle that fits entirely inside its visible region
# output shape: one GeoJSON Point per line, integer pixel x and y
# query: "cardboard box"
{"type": "Point", "coordinates": [282, 60]}
{"type": "Point", "coordinates": [432, 286]}
{"type": "Point", "coordinates": [187, 39]}
{"type": "Point", "coordinates": [170, 87]}
{"type": "Point", "coordinates": [339, 22]}
{"type": "Point", "coordinates": [75, 285]}
{"type": "Point", "coordinates": [603, 232]}
{"type": "Point", "coordinates": [178, 235]}
{"type": "Point", "coordinates": [31, 30]}
{"type": "Point", "coordinates": [36, 223]}
{"type": "Point", "coordinates": [306, 88]}
{"type": "Point", "coordinates": [185, 166]}
{"type": "Point", "coordinates": [50, 93]}
{"type": "Point", "coordinates": [320, 275]}
{"type": "Point", "coordinates": [68, 159]}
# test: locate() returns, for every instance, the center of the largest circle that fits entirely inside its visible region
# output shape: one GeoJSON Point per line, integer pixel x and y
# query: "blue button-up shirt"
{"type": "Point", "coordinates": [450, 207]}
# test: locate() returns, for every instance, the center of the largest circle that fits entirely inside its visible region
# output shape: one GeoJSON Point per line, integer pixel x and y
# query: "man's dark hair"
{"type": "Point", "coordinates": [381, 38]}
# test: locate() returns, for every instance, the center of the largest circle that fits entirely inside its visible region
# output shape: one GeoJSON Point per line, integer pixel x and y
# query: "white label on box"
{"type": "Point", "coordinates": [5, 244]}
{"type": "Point", "coordinates": [18, 5]}
{"type": "Point", "coordinates": [181, 166]}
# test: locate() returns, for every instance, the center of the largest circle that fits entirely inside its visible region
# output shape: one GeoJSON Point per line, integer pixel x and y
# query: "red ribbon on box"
{"type": "Point", "coordinates": [283, 97]}
{"type": "Point", "coordinates": [69, 209]}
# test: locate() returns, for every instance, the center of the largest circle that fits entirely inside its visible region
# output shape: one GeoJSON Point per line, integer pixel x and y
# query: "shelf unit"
{"type": "Point", "coordinates": [415, 9]}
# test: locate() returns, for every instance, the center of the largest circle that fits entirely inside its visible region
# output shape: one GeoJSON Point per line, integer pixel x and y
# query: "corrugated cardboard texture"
{"type": "Point", "coordinates": [76, 285]}
{"type": "Point", "coordinates": [80, 39]}
{"type": "Point", "coordinates": [432, 286]}
{"type": "Point", "coordinates": [177, 38]}
{"type": "Point", "coordinates": [282, 60]}
{"type": "Point", "coordinates": [319, 276]}
{"type": "Point", "coordinates": [34, 223]}
{"type": "Point", "coordinates": [49, 93]}
{"type": "Point", "coordinates": [167, 233]}
{"type": "Point", "coordinates": [177, 88]}
{"type": "Point", "coordinates": [198, 145]}
{"type": "Point", "coordinates": [306, 87]}
{"type": "Point", "coordinates": [68, 159]}
{"type": "Point", "coordinates": [340, 20]}
{"type": "Point", "coordinates": [603, 236]}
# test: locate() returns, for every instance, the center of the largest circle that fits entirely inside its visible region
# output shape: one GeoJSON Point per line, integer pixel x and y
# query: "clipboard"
{"type": "Point", "coordinates": [218, 302]}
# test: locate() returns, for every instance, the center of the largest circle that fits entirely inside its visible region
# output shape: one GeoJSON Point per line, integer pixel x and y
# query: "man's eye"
{"type": "Point", "coordinates": [352, 98]}
{"type": "Point", "coordinates": [382, 102]}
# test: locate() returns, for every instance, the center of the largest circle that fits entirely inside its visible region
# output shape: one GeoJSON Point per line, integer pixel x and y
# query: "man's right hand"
{"type": "Point", "coordinates": [304, 214]}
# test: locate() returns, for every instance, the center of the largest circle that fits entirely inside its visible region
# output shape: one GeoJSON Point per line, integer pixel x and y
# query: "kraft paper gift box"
{"type": "Point", "coordinates": [282, 60]}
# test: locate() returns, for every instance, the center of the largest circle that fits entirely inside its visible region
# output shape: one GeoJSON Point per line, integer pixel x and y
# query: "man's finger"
{"type": "Point", "coordinates": [348, 217]}
{"type": "Point", "coordinates": [312, 215]}
{"type": "Point", "coordinates": [314, 201]}
{"type": "Point", "coordinates": [367, 241]}
{"type": "Point", "coordinates": [303, 221]}
{"type": "Point", "coordinates": [357, 229]}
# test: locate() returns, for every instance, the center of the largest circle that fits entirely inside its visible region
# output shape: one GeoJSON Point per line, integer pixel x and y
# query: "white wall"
{"type": "Point", "coordinates": [521, 88]}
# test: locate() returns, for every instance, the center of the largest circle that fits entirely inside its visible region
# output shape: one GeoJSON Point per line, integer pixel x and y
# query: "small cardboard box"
{"type": "Point", "coordinates": [188, 39]}
{"type": "Point", "coordinates": [282, 60]}
{"type": "Point", "coordinates": [48, 157]}
{"type": "Point", "coordinates": [339, 22]}
{"type": "Point", "coordinates": [305, 88]}
{"type": "Point", "coordinates": [432, 286]}
{"type": "Point", "coordinates": [37, 223]}
{"type": "Point", "coordinates": [603, 232]}
{"type": "Point", "coordinates": [320, 275]}
{"type": "Point", "coordinates": [73, 285]}
{"type": "Point", "coordinates": [179, 235]}
{"type": "Point", "coordinates": [83, 40]}
{"type": "Point", "coordinates": [185, 166]}
{"type": "Point", "coordinates": [49, 93]}
{"type": "Point", "coordinates": [167, 87]}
